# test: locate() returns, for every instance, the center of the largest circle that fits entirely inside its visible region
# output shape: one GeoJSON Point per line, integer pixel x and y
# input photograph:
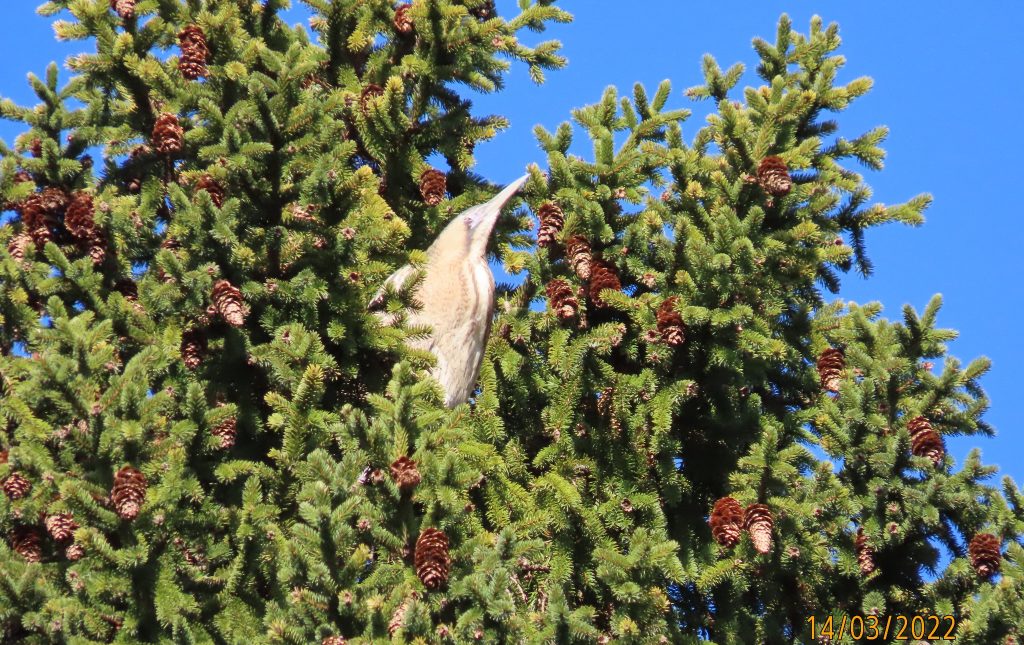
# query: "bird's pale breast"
{"type": "Point", "coordinates": [457, 303]}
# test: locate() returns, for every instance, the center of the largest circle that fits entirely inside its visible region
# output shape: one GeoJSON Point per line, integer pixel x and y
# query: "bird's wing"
{"type": "Point", "coordinates": [395, 282]}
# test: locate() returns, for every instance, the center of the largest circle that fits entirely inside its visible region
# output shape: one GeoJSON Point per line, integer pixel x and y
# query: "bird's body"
{"type": "Point", "coordinates": [455, 299]}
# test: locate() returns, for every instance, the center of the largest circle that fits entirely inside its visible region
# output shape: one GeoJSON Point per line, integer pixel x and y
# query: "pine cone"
{"type": "Point", "coordinates": [397, 621]}
{"type": "Point", "coordinates": [831, 363]}
{"type": "Point", "coordinates": [16, 486]}
{"type": "Point", "coordinates": [405, 473]}
{"type": "Point", "coordinates": [368, 93]}
{"type": "Point", "coordinates": [758, 521]}
{"type": "Point", "coordinates": [577, 250]}
{"type": "Point", "coordinates": [78, 219]}
{"type": "Point", "coordinates": [403, 21]}
{"type": "Point", "coordinates": [773, 176]}
{"type": "Point", "coordinates": [123, 8]}
{"type": "Point", "coordinates": [168, 135]}
{"type": "Point", "coordinates": [227, 300]}
{"type": "Point", "coordinates": [61, 526]}
{"type": "Point", "coordinates": [432, 559]}
{"type": "Point", "coordinates": [194, 52]}
{"type": "Point", "coordinates": [602, 276]}
{"type": "Point", "coordinates": [865, 553]}
{"type": "Point", "coordinates": [193, 348]}
{"type": "Point", "coordinates": [333, 640]}
{"type": "Point", "coordinates": [97, 248]}
{"type": "Point", "coordinates": [985, 553]}
{"type": "Point", "coordinates": [36, 148]}
{"type": "Point", "coordinates": [670, 323]}
{"type": "Point", "coordinates": [227, 431]}
{"type": "Point", "coordinates": [433, 184]}
{"type": "Point", "coordinates": [551, 221]}
{"type": "Point", "coordinates": [561, 299]}
{"type": "Point", "coordinates": [484, 10]}
{"type": "Point", "coordinates": [25, 542]}
{"type": "Point", "coordinates": [924, 441]}
{"type": "Point", "coordinates": [17, 246]}
{"type": "Point", "coordinates": [127, 288]}
{"type": "Point", "coordinates": [42, 212]}
{"type": "Point", "coordinates": [213, 189]}
{"type": "Point", "coordinates": [74, 552]}
{"type": "Point", "coordinates": [170, 242]}
{"type": "Point", "coordinates": [726, 518]}
{"type": "Point", "coordinates": [129, 492]}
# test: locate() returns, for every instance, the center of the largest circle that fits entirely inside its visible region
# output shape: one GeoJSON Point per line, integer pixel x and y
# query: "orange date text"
{"type": "Point", "coordinates": [899, 627]}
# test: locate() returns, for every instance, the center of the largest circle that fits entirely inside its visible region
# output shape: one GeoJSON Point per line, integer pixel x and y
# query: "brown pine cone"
{"type": "Point", "coordinates": [16, 486]}
{"type": "Point", "coordinates": [405, 473]}
{"type": "Point", "coordinates": [41, 213]}
{"type": "Point", "coordinates": [226, 431]}
{"type": "Point", "coordinates": [773, 176]}
{"type": "Point", "coordinates": [831, 364]}
{"type": "Point", "coordinates": [127, 288]}
{"type": "Point", "coordinates": [194, 52]}
{"type": "Point", "coordinates": [725, 521]}
{"type": "Point", "coordinates": [227, 300]}
{"type": "Point", "coordinates": [168, 135]}
{"type": "Point", "coordinates": [61, 526]}
{"type": "Point", "coordinates": [74, 552]}
{"type": "Point", "coordinates": [97, 246]}
{"type": "Point", "coordinates": [562, 299]}
{"type": "Point", "coordinates": [577, 252]}
{"type": "Point", "coordinates": [4, 455]}
{"type": "Point", "coordinates": [924, 441]}
{"type": "Point", "coordinates": [333, 640]}
{"type": "Point", "coordinates": [602, 276]}
{"type": "Point", "coordinates": [129, 492]}
{"type": "Point", "coordinates": [551, 221]}
{"type": "Point", "coordinates": [432, 560]}
{"type": "Point", "coordinates": [397, 621]}
{"type": "Point", "coordinates": [170, 242]}
{"type": "Point", "coordinates": [78, 219]}
{"type": "Point", "coordinates": [403, 21]}
{"type": "Point", "coordinates": [213, 189]}
{"type": "Point", "coordinates": [865, 553]}
{"type": "Point", "coordinates": [25, 542]}
{"type": "Point", "coordinates": [433, 185]}
{"type": "Point", "coordinates": [985, 554]}
{"type": "Point", "coordinates": [193, 347]}
{"type": "Point", "coordinates": [367, 94]}
{"type": "Point", "coordinates": [758, 521]}
{"type": "Point", "coordinates": [123, 8]}
{"type": "Point", "coordinates": [17, 246]}
{"type": "Point", "coordinates": [670, 323]}
{"type": "Point", "coordinates": [36, 148]}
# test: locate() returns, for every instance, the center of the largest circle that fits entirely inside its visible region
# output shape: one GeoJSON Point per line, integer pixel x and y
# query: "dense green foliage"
{"type": "Point", "coordinates": [575, 488]}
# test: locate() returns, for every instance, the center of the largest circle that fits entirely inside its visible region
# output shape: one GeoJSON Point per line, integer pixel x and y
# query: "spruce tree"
{"type": "Point", "coordinates": [677, 437]}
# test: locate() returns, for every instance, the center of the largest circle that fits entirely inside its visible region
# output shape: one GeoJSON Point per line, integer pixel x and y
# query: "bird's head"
{"type": "Point", "coordinates": [468, 234]}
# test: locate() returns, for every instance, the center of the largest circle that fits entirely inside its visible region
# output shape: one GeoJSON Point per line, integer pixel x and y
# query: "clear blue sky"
{"type": "Point", "coordinates": [949, 85]}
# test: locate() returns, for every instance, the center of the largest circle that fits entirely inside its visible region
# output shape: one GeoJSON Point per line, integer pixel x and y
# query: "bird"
{"type": "Point", "coordinates": [455, 297]}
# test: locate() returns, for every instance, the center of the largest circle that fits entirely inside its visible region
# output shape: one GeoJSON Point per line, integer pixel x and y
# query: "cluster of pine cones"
{"type": "Point", "coordinates": [127, 496]}
{"type": "Point", "coordinates": [728, 519]}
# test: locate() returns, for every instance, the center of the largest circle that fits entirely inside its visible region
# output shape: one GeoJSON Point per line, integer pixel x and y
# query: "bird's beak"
{"type": "Point", "coordinates": [482, 220]}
